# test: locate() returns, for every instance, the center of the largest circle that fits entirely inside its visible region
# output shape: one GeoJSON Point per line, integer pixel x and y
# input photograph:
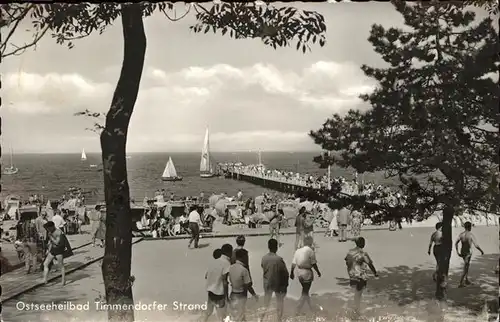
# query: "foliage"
{"type": "Point", "coordinates": [277, 27]}
{"type": "Point", "coordinates": [489, 5]}
{"type": "Point", "coordinates": [433, 122]}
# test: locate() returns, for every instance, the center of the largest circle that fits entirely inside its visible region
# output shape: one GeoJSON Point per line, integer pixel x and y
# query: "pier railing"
{"type": "Point", "coordinates": [273, 180]}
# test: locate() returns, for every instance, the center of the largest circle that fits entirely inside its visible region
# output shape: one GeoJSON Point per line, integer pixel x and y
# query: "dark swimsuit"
{"type": "Point", "coordinates": [466, 251]}
{"type": "Point", "coordinates": [57, 249]}
{"type": "Point", "coordinates": [436, 250]}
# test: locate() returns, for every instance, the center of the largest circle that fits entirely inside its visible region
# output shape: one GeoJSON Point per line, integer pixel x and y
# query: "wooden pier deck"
{"type": "Point", "coordinates": [291, 185]}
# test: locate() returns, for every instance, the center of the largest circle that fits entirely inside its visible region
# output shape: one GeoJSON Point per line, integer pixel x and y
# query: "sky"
{"type": "Point", "coordinates": [249, 95]}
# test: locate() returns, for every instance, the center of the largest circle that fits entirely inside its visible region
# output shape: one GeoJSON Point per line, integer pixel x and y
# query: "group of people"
{"type": "Point", "coordinates": [466, 240]}
{"type": "Point", "coordinates": [45, 239]}
{"type": "Point", "coordinates": [229, 281]}
{"type": "Point", "coordinates": [295, 178]}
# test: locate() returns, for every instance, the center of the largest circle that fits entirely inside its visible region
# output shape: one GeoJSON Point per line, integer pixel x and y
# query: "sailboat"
{"type": "Point", "coordinates": [206, 165]}
{"type": "Point", "coordinates": [12, 169]}
{"type": "Point", "coordinates": [170, 174]}
{"type": "Point", "coordinates": [84, 156]}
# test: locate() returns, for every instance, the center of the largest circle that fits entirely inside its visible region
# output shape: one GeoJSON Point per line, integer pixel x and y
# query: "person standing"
{"type": "Point", "coordinates": [240, 244]}
{"type": "Point", "coordinates": [300, 227]}
{"type": "Point", "coordinates": [58, 220]}
{"type": "Point", "coordinates": [217, 284]}
{"type": "Point", "coordinates": [304, 260]}
{"type": "Point", "coordinates": [239, 196]}
{"type": "Point", "coordinates": [101, 230]}
{"type": "Point", "coordinates": [357, 261]}
{"type": "Point", "coordinates": [57, 246]}
{"type": "Point", "coordinates": [356, 221]}
{"type": "Point", "coordinates": [274, 223]}
{"type": "Point", "coordinates": [436, 240]}
{"type": "Point", "coordinates": [194, 219]}
{"type": "Point", "coordinates": [334, 226]}
{"type": "Point", "coordinates": [241, 285]}
{"type": "Point", "coordinates": [343, 221]}
{"type": "Point", "coordinates": [275, 279]}
{"type": "Point", "coordinates": [40, 221]}
{"type": "Point", "coordinates": [467, 239]}
{"type": "Point", "coordinates": [95, 222]}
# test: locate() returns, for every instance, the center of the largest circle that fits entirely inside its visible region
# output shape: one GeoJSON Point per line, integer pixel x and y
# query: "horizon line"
{"type": "Point", "coordinates": [157, 152]}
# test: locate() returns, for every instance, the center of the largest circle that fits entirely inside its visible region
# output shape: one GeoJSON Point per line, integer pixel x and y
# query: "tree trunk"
{"type": "Point", "coordinates": [116, 264]}
{"type": "Point", "coordinates": [445, 255]}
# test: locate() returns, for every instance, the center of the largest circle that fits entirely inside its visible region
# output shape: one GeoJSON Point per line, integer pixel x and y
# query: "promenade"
{"type": "Point", "coordinates": [168, 272]}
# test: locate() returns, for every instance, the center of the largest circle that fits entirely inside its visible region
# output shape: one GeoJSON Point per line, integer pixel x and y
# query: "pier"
{"type": "Point", "coordinates": [271, 179]}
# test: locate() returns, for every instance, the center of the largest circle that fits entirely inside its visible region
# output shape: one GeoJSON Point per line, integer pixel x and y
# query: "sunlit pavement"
{"type": "Point", "coordinates": [167, 272]}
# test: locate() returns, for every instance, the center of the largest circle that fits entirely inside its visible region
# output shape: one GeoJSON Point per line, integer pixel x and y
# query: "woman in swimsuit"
{"type": "Point", "coordinates": [436, 239]}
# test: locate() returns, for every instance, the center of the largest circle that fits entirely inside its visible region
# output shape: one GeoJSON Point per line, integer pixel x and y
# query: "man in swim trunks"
{"type": "Point", "coordinates": [436, 240]}
{"type": "Point", "coordinates": [467, 239]}
{"type": "Point", "coordinates": [56, 248]}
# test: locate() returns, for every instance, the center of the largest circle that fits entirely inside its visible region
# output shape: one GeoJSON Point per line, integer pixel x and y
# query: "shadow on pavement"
{"type": "Point", "coordinates": [402, 293]}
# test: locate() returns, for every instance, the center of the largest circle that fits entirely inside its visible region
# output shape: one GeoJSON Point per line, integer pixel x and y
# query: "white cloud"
{"type": "Point", "coordinates": [259, 105]}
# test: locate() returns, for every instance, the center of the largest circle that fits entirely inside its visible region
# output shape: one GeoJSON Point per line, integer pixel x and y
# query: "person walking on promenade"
{"type": "Point", "coordinates": [356, 222]}
{"type": "Point", "coordinates": [240, 244]}
{"type": "Point", "coordinates": [275, 223]}
{"type": "Point", "coordinates": [194, 219]}
{"type": "Point", "coordinates": [40, 221]}
{"type": "Point", "coordinates": [343, 221]}
{"type": "Point", "coordinates": [334, 226]}
{"type": "Point", "coordinates": [357, 261]}
{"type": "Point", "coordinates": [309, 220]}
{"type": "Point", "coordinates": [95, 222]}
{"type": "Point", "coordinates": [304, 260]}
{"type": "Point", "coordinates": [275, 278]}
{"type": "Point", "coordinates": [56, 249]}
{"type": "Point", "coordinates": [436, 240]}
{"type": "Point", "coordinates": [101, 230]}
{"type": "Point", "coordinates": [241, 285]}
{"type": "Point", "coordinates": [300, 227]}
{"type": "Point", "coordinates": [467, 240]}
{"type": "Point", "coordinates": [217, 284]}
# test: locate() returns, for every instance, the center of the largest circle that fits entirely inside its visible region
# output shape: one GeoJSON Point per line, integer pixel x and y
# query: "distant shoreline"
{"type": "Point", "coordinates": [163, 152]}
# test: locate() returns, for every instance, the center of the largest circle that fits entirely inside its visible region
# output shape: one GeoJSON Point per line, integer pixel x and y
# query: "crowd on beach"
{"type": "Point", "coordinates": [300, 179]}
{"type": "Point", "coordinates": [33, 240]}
{"type": "Point", "coordinates": [376, 193]}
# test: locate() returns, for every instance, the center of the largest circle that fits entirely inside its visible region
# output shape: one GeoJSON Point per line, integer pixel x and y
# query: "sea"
{"type": "Point", "coordinates": [51, 175]}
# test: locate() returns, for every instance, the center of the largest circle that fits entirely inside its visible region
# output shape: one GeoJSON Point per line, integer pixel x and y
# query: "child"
{"type": "Point", "coordinates": [19, 246]}
{"type": "Point", "coordinates": [30, 257]}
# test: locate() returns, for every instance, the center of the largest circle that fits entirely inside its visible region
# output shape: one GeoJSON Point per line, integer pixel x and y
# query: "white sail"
{"type": "Point", "coordinates": [169, 171]}
{"type": "Point", "coordinates": [84, 156]}
{"type": "Point", "coordinates": [206, 163]}
{"type": "Point", "coordinates": [12, 169]}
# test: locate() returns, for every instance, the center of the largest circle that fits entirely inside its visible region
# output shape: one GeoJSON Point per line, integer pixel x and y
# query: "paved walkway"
{"type": "Point", "coordinates": [18, 282]}
{"type": "Point", "coordinates": [170, 273]}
